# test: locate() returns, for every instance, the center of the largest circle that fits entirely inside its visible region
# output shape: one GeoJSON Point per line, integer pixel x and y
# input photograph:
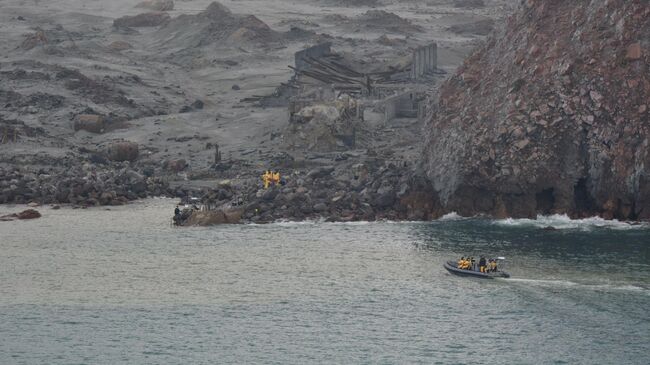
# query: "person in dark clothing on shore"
{"type": "Point", "coordinates": [177, 216]}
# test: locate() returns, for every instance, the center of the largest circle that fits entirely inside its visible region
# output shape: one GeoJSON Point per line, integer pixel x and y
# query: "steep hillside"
{"type": "Point", "coordinates": [551, 115]}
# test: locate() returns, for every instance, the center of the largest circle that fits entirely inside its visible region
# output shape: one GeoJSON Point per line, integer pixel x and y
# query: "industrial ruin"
{"type": "Point", "coordinates": [332, 101]}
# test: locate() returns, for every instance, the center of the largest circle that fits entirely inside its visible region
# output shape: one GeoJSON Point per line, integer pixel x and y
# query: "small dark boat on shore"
{"type": "Point", "coordinates": [452, 267]}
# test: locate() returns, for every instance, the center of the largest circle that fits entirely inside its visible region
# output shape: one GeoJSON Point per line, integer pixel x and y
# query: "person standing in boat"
{"type": "Point", "coordinates": [472, 263]}
{"type": "Point", "coordinates": [481, 264]}
{"type": "Point", "coordinates": [493, 265]}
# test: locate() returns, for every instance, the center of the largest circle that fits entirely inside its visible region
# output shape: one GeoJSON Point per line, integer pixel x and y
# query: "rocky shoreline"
{"type": "Point", "coordinates": [361, 193]}
{"type": "Point", "coordinates": [366, 189]}
{"type": "Point", "coordinates": [86, 185]}
{"type": "Point", "coordinates": [105, 111]}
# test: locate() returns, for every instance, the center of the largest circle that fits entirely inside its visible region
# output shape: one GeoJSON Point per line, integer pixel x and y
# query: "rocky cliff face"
{"type": "Point", "coordinates": [551, 115]}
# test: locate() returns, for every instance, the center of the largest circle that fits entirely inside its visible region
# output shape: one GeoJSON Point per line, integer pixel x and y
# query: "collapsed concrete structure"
{"type": "Point", "coordinates": [330, 96]}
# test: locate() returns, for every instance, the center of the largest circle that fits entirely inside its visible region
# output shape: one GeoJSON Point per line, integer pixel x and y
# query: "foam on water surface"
{"type": "Point", "coordinates": [563, 221]}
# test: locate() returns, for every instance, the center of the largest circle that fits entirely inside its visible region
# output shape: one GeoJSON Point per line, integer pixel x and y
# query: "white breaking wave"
{"type": "Point", "coordinates": [453, 216]}
{"type": "Point", "coordinates": [562, 221]}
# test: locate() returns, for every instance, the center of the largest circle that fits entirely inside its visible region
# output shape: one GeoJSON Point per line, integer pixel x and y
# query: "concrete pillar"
{"type": "Point", "coordinates": [434, 50]}
{"type": "Point", "coordinates": [425, 52]}
{"type": "Point", "coordinates": [414, 74]}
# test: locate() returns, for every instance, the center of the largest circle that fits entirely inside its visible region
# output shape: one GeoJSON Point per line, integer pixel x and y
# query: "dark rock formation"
{"type": "Point", "coordinates": [25, 214]}
{"type": "Point", "coordinates": [89, 122]}
{"type": "Point", "coordinates": [551, 115]}
{"type": "Point", "coordinates": [123, 151]}
{"type": "Point", "coordinates": [152, 19]}
{"type": "Point", "coordinates": [29, 214]}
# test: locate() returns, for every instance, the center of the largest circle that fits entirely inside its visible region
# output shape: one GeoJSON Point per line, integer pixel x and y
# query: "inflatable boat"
{"type": "Point", "coordinates": [452, 267]}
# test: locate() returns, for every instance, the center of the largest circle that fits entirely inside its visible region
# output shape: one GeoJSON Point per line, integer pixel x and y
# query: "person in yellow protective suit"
{"type": "Point", "coordinates": [460, 262]}
{"type": "Point", "coordinates": [276, 178]}
{"type": "Point", "coordinates": [266, 178]}
{"type": "Point", "coordinates": [493, 265]}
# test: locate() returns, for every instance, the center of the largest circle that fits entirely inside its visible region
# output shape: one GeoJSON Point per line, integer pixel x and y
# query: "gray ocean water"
{"type": "Point", "coordinates": [121, 286]}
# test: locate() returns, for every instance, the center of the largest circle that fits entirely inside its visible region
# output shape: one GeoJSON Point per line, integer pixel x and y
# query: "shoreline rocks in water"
{"type": "Point", "coordinates": [24, 215]}
{"type": "Point", "coordinates": [209, 217]}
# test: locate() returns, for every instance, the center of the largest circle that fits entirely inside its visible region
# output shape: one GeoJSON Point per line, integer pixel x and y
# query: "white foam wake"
{"type": "Point", "coordinates": [569, 284]}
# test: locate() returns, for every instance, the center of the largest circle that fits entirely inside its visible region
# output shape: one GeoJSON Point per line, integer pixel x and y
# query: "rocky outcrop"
{"type": "Point", "coordinates": [25, 214]}
{"type": "Point", "coordinates": [551, 115]}
{"type": "Point", "coordinates": [152, 19]}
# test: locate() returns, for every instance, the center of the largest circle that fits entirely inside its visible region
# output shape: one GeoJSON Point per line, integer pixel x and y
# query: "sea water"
{"type": "Point", "coordinates": [122, 286]}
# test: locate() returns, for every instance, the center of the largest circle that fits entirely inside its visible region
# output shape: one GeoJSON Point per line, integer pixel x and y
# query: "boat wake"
{"type": "Point", "coordinates": [573, 284]}
{"type": "Point", "coordinates": [558, 221]}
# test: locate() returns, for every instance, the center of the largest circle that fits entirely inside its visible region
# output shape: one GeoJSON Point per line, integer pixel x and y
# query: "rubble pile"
{"type": "Point", "coordinates": [551, 115]}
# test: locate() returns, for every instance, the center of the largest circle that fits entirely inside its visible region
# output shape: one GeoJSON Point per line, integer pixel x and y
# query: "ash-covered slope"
{"type": "Point", "coordinates": [551, 115]}
{"type": "Point", "coordinates": [215, 24]}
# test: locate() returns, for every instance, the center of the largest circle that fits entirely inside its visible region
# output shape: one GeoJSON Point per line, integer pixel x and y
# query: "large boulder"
{"type": "Point", "coordinates": [320, 172]}
{"type": "Point", "coordinates": [176, 165]}
{"type": "Point", "coordinates": [92, 123]}
{"type": "Point", "coordinates": [122, 151]}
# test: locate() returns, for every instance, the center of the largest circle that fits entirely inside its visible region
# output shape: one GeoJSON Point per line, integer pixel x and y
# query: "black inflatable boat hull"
{"type": "Point", "coordinates": [451, 267]}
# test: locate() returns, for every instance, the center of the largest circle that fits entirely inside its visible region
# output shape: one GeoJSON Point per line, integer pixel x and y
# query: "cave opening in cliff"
{"type": "Point", "coordinates": [545, 201]}
{"type": "Point", "coordinates": [583, 201]}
